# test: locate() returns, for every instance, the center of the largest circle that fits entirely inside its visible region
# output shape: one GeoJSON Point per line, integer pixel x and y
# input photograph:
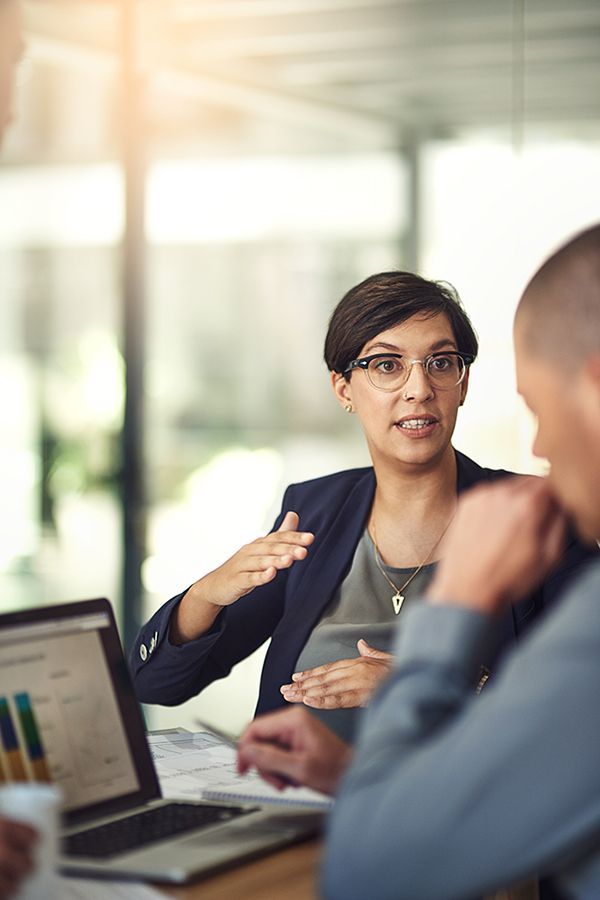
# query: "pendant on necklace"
{"type": "Point", "coordinates": [397, 601]}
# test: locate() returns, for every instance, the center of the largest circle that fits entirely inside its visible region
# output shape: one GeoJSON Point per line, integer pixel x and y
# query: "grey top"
{"type": "Point", "coordinates": [467, 794]}
{"type": "Point", "coordinates": [361, 608]}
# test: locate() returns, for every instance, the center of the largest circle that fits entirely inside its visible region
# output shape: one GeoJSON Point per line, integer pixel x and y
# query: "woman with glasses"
{"type": "Point", "coordinates": [350, 551]}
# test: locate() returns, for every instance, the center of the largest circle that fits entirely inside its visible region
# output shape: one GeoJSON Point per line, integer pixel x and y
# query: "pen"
{"type": "Point", "coordinates": [228, 739]}
{"type": "Point", "coordinates": [232, 742]}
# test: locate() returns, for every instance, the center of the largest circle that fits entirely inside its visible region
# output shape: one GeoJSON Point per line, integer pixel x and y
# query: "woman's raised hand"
{"type": "Point", "coordinates": [254, 564]}
{"type": "Point", "coordinates": [258, 562]}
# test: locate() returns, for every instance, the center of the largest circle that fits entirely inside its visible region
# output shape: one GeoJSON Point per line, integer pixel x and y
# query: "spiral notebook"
{"type": "Point", "coordinates": [257, 791]}
{"type": "Point", "coordinates": [203, 764]}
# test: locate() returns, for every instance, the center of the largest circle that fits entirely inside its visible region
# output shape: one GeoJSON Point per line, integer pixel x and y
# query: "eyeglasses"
{"type": "Point", "coordinates": [390, 371]}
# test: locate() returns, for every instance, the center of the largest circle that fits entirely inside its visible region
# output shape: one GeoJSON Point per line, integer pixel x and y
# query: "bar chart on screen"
{"type": "Point", "coordinates": [59, 717]}
{"type": "Point", "coordinates": [22, 756]}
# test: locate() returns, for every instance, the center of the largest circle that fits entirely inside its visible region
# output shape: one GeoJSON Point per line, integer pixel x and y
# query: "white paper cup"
{"type": "Point", "coordinates": [37, 805]}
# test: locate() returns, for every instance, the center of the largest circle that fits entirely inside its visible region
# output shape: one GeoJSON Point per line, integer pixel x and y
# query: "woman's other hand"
{"type": "Point", "coordinates": [342, 684]}
{"type": "Point", "coordinates": [292, 747]}
{"type": "Point", "coordinates": [254, 564]}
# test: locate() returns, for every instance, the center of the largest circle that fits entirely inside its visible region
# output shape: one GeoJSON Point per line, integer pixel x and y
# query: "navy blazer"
{"type": "Point", "coordinates": [335, 508]}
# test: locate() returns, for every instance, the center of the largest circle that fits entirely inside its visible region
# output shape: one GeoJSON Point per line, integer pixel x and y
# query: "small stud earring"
{"type": "Point", "coordinates": [349, 408]}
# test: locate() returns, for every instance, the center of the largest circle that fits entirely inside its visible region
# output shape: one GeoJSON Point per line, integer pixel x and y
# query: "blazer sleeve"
{"type": "Point", "coordinates": [169, 674]}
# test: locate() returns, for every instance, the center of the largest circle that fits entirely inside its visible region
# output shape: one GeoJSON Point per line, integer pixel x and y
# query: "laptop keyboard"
{"type": "Point", "coordinates": [147, 827]}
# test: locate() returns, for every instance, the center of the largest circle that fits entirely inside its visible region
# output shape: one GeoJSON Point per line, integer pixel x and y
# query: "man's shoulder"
{"type": "Point", "coordinates": [586, 586]}
{"type": "Point", "coordinates": [574, 623]}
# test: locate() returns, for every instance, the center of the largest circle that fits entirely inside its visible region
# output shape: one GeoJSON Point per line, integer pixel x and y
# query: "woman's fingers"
{"type": "Point", "coordinates": [265, 561]}
{"type": "Point", "coordinates": [372, 652]}
{"type": "Point", "coordinates": [278, 541]}
{"type": "Point", "coordinates": [279, 548]}
{"type": "Point", "coordinates": [289, 529]}
{"type": "Point", "coordinates": [255, 579]}
{"type": "Point", "coordinates": [324, 670]}
{"type": "Point", "coordinates": [290, 522]}
{"type": "Point", "coordinates": [342, 700]}
{"type": "Point", "coordinates": [343, 683]}
{"type": "Point", "coordinates": [257, 563]}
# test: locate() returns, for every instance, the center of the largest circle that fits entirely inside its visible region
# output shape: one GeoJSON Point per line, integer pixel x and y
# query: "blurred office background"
{"type": "Point", "coordinates": [191, 187]}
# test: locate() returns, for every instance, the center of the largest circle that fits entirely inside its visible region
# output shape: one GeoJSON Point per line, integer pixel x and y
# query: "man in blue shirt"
{"type": "Point", "coordinates": [450, 794]}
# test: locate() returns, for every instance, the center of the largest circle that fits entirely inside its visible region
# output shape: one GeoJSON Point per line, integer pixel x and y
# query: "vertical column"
{"type": "Point", "coordinates": [133, 493]}
{"type": "Point", "coordinates": [518, 76]}
{"type": "Point", "coordinates": [411, 244]}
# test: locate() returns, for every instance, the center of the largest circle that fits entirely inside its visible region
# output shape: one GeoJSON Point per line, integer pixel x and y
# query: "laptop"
{"type": "Point", "coordinates": [68, 713]}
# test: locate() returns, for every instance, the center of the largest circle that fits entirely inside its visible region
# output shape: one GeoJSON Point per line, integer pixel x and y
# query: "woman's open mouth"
{"type": "Point", "coordinates": [416, 426]}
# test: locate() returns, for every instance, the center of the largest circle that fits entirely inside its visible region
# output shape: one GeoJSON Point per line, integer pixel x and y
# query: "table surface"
{"type": "Point", "coordinates": [289, 873]}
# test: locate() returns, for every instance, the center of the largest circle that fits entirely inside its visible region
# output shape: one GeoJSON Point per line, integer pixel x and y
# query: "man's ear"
{"type": "Point", "coordinates": [464, 386]}
{"type": "Point", "coordinates": [591, 378]}
{"type": "Point", "coordinates": [585, 393]}
{"type": "Point", "coordinates": [592, 366]}
{"type": "Point", "coordinates": [342, 390]}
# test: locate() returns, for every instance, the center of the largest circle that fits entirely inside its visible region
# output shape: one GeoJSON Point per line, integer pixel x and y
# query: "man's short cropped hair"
{"type": "Point", "coordinates": [559, 311]}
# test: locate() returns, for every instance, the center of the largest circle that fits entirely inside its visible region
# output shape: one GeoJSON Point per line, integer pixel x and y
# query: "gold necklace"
{"type": "Point", "coordinates": [398, 597]}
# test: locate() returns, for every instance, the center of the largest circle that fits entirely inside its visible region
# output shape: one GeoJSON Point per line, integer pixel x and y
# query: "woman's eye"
{"type": "Point", "coordinates": [388, 366]}
{"type": "Point", "coordinates": [441, 363]}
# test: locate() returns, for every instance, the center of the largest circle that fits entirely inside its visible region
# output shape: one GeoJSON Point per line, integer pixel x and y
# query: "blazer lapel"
{"type": "Point", "coordinates": [330, 564]}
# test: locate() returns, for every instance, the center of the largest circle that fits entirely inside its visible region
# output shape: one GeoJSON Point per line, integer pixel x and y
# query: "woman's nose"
{"type": "Point", "coordinates": [417, 386]}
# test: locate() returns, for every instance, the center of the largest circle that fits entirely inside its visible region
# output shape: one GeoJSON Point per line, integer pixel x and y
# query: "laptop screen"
{"type": "Point", "coordinates": [67, 709]}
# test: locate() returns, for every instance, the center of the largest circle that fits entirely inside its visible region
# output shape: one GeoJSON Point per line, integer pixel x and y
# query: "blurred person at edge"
{"type": "Point", "coordinates": [399, 350]}
{"type": "Point", "coordinates": [465, 794]}
{"type": "Point", "coordinates": [12, 48]}
{"type": "Point", "coordinates": [16, 839]}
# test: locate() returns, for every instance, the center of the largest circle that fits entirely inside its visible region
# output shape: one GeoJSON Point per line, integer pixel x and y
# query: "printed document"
{"type": "Point", "coordinates": [203, 765]}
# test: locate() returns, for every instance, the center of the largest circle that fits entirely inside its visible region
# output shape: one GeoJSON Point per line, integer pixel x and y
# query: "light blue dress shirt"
{"type": "Point", "coordinates": [465, 794]}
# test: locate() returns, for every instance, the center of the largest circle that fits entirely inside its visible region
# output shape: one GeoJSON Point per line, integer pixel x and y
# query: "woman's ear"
{"type": "Point", "coordinates": [343, 391]}
{"type": "Point", "coordinates": [464, 387]}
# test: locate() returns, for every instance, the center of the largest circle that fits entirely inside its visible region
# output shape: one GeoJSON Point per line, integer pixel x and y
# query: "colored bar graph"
{"type": "Point", "coordinates": [33, 741]}
{"type": "Point", "coordinates": [14, 757]}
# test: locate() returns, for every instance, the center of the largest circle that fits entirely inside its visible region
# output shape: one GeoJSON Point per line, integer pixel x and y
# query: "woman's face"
{"type": "Point", "coordinates": [412, 425]}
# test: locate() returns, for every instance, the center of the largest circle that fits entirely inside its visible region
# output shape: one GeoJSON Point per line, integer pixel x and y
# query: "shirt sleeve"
{"type": "Point", "coordinates": [466, 793]}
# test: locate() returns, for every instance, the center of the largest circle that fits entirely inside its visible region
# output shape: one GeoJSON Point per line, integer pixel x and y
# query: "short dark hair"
{"type": "Point", "coordinates": [560, 307]}
{"type": "Point", "coordinates": [388, 299]}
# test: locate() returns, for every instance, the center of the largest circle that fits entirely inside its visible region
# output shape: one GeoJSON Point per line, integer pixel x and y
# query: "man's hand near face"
{"type": "Point", "coordinates": [504, 539]}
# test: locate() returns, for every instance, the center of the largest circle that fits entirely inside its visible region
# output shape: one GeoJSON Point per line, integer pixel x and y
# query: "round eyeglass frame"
{"type": "Point", "coordinates": [364, 363]}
